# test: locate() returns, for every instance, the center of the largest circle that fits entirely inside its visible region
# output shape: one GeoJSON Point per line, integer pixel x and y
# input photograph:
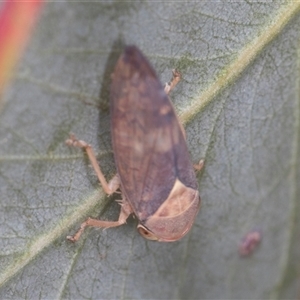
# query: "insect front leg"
{"type": "Point", "coordinates": [126, 210]}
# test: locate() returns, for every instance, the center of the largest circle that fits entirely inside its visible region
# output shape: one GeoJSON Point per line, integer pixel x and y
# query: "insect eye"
{"type": "Point", "coordinates": [146, 233]}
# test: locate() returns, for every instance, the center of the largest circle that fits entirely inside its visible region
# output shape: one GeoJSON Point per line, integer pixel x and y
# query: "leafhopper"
{"type": "Point", "coordinates": [154, 171]}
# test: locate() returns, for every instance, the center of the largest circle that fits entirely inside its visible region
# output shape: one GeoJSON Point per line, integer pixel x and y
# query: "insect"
{"type": "Point", "coordinates": [154, 172]}
{"type": "Point", "coordinates": [249, 243]}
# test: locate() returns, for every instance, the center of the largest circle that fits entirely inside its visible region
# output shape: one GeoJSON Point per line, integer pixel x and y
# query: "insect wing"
{"type": "Point", "coordinates": [149, 146]}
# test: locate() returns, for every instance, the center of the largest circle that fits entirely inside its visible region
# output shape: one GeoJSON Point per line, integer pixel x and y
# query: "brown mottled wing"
{"type": "Point", "coordinates": [149, 147]}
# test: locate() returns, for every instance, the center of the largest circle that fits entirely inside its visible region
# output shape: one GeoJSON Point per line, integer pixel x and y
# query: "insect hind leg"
{"type": "Point", "coordinates": [199, 166]}
{"type": "Point", "coordinates": [110, 187]}
{"type": "Point", "coordinates": [176, 77]}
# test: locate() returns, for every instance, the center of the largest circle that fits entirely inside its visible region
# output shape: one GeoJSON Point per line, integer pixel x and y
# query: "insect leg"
{"type": "Point", "coordinates": [199, 165]}
{"type": "Point", "coordinates": [110, 187]}
{"type": "Point", "coordinates": [176, 76]}
{"type": "Point", "coordinates": [126, 210]}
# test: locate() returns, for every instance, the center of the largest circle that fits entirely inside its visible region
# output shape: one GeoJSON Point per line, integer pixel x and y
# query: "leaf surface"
{"type": "Point", "coordinates": [239, 102]}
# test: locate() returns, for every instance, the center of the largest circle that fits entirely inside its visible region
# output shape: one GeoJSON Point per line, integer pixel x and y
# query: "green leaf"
{"type": "Point", "coordinates": [239, 101]}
